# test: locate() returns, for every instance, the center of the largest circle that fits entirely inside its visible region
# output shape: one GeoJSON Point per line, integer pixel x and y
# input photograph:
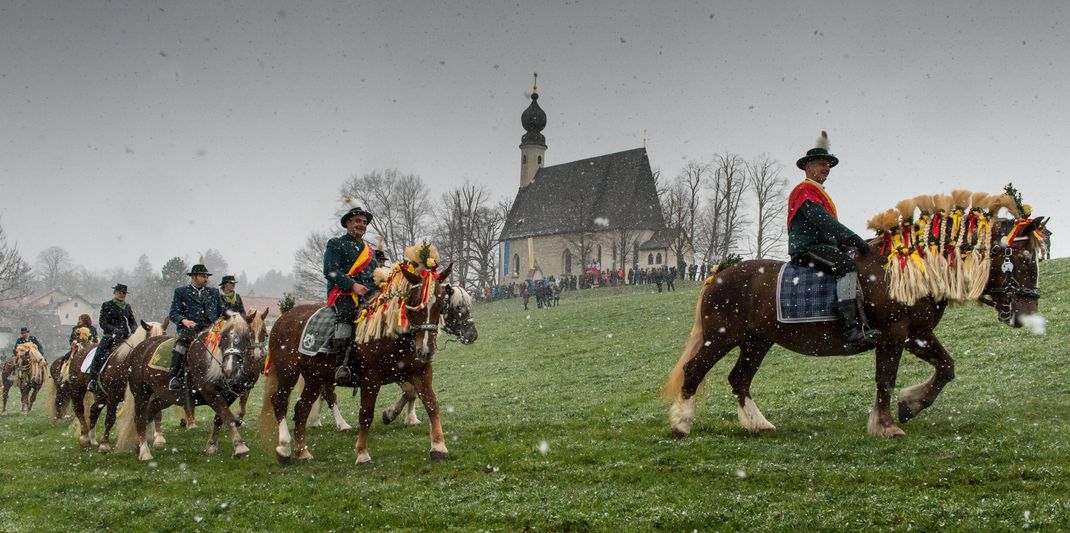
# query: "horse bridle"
{"type": "Point", "coordinates": [1010, 287]}
{"type": "Point", "coordinates": [429, 326]}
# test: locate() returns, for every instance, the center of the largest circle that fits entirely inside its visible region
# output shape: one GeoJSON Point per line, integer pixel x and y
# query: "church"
{"type": "Point", "coordinates": [597, 213]}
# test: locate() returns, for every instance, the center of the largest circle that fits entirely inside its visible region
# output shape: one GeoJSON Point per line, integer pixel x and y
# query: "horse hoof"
{"type": "Point", "coordinates": [904, 413]}
{"type": "Point", "coordinates": [211, 449]}
{"type": "Point", "coordinates": [437, 456]}
{"type": "Point", "coordinates": [182, 423]}
{"type": "Point", "coordinates": [239, 422]}
{"type": "Point", "coordinates": [412, 422]}
{"type": "Point", "coordinates": [387, 419]}
{"type": "Point", "coordinates": [314, 424]}
{"type": "Point", "coordinates": [304, 456]}
{"type": "Point", "coordinates": [158, 442]}
{"type": "Point", "coordinates": [84, 442]}
{"type": "Point", "coordinates": [344, 427]}
{"type": "Point", "coordinates": [191, 425]}
{"type": "Point", "coordinates": [283, 459]}
{"type": "Point", "coordinates": [679, 433]}
{"type": "Point", "coordinates": [365, 462]}
{"type": "Point", "coordinates": [242, 452]}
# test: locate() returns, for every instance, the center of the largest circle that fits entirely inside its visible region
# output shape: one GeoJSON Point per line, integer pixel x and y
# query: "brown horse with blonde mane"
{"type": "Point", "coordinates": [113, 377]}
{"type": "Point", "coordinates": [401, 357]}
{"type": "Point", "coordinates": [222, 363]}
{"type": "Point", "coordinates": [26, 371]}
{"type": "Point", "coordinates": [973, 255]}
{"type": "Point", "coordinates": [59, 394]}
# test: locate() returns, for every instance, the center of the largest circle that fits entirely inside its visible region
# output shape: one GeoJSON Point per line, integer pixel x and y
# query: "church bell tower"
{"type": "Point", "coordinates": [532, 144]}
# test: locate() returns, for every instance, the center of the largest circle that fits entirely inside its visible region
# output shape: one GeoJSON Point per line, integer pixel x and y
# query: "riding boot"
{"type": "Point", "coordinates": [855, 333]}
{"type": "Point", "coordinates": [343, 375]}
{"type": "Point", "coordinates": [178, 368]}
{"type": "Point", "coordinates": [94, 371]}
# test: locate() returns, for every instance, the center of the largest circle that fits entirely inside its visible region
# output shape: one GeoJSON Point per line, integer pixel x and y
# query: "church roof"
{"type": "Point", "coordinates": [660, 240]}
{"type": "Point", "coordinates": [596, 194]}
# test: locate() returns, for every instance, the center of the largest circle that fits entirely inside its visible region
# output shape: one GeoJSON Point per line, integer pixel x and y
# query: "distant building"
{"type": "Point", "coordinates": [259, 303]}
{"type": "Point", "coordinates": [604, 207]}
{"type": "Point", "coordinates": [66, 308]}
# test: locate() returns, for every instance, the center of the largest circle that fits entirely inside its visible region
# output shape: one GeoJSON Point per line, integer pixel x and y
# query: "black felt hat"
{"type": "Point", "coordinates": [119, 287]}
{"type": "Point", "coordinates": [198, 269]}
{"type": "Point", "coordinates": [228, 279]}
{"type": "Point", "coordinates": [354, 212]}
{"type": "Point", "coordinates": [821, 151]}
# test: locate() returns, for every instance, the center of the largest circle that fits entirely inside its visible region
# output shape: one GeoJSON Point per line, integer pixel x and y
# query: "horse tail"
{"type": "Point", "coordinates": [267, 424]}
{"type": "Point", "coordinates": [57, 403]}
{"type": "Point", "coordinates": [676, 378]}
{"type": "Point", "coordinates": [126, 432]}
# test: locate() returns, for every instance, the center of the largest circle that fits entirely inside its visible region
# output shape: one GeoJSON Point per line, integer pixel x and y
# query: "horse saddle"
{"type": "Point", "coordinates": [317, 332]}
{"type": "Point", "coordinates": [161, 357]}
{"type": "Point", "coordinates": [805, 295]}
{"type": "Point", "coordinates": [88, 361]}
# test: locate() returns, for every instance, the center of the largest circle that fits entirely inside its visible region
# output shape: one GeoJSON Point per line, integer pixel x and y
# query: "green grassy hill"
{"type": "Point", "coordinates": [553, 423]}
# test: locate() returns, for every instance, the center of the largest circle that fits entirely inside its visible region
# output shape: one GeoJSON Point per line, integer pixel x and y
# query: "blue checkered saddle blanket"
{"type": "Point", "coordinates": [317, 332]}
{"type": "Point", "coordinates": [805, 295]}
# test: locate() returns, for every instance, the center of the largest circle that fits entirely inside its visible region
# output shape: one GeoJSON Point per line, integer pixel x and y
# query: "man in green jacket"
{"type": "Point", "coordinates": [816, 238]}
{"type": "Point", "coordinates": [348, 264]}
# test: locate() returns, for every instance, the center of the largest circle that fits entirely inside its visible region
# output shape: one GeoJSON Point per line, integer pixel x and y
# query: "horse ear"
{"type": "Point", "coordinates": [264, 315]}
{"type": "Point", "coordinates": [449, 290]}
{"type": "Point", "coordinates": [166, 323]}
{"type": "Point", "coordinates": [413, 278]}
{"type": "Point", "coordinates": [446, 273]}
{"type": "Point", "coordinates": [146, 325]}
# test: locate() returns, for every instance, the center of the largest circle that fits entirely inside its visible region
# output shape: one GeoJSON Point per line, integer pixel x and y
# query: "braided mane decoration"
{"type": "Point", "coordinates": [388, 316]}
{"type": "Point", "coordinates": [37, 364]}
{"type": "Point", "coordinates": [943, 251]}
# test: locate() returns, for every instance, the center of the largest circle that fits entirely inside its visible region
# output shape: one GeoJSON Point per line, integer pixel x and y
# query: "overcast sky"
{"type": "Point", "coordinates": [169, 128]}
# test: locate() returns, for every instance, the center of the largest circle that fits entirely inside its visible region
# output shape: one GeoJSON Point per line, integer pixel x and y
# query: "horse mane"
{"type": "Point", "coordinates": [943, 253]}
{"type": "Point", "coordinates": [460, 298]}
{"type": "Point", "coordinates": [124, 348]}
{"type": "Point", "coordinates": [38, 365]}
{"type": "Point", "coordinates": [383, 318]}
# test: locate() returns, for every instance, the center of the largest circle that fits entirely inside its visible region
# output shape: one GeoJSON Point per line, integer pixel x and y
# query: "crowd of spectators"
{"type": "Point", "coordinates": [547, 292]}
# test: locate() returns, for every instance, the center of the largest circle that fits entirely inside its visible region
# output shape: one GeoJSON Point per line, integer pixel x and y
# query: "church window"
{"type": "Point", "coordinates": [540, 160]}
{"type": "Point", "coordinates": [614, 259]}
{"type": "Point", "coordinates": [658, 258]}
{"type": "Point", "coordinates": [650, 259]}
{"type": "Point", "coordinates": [566, 261]}
{"type": "Point", "coordinates": [516, 265]}
{"type": "Point", "coordinates": [523, 159]}
{"type": "Point", "coordinates": [599, 255]}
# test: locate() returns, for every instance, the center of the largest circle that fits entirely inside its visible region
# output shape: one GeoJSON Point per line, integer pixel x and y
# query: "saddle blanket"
{"type": "Point", "coordinates": [88, 360]}
{"type": "Point", "coordinates": [805, 295]}
{"type": "Point", "coordinates": [317, 332]}
{"type": "Point", "coordinates": [161, 358]}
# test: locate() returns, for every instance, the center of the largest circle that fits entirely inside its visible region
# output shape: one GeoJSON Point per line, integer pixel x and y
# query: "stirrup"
{"type": "Point", "coordinates": [343, 376]}
{"type": "Point", "coordinates": [176, 383]}
{"type": "Point", "coordinates": [92, 386]}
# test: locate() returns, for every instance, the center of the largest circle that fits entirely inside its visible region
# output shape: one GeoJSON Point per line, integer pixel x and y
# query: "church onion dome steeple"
{"type": "Point", "coordinates": [534, 120]}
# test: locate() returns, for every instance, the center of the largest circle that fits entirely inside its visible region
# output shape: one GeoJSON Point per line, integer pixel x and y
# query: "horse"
{"type": "Point", "coordinates": [189, 420]}
{"type": "Point", "coordinates": [739, 309]}
{"type": "Point", "coordinates": [405, 358]}
{"type": "Point", "coordinates": [112, 383]}
{"type": "Point", "coordinates": [456, 320]}
{"type": "Point", "coordinates": [28, 368]}
{"type": "Point", "coordinates": [222, 362]}
{"type": "Point", "coordinates": [7, 379]}
{"type": "Point", "coordinates": [59, 395]}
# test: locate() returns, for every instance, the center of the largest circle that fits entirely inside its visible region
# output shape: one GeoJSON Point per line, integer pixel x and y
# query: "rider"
{"type": "Point", "coordinates": [231, 300]}
{"type": "Point", "coordinates": [194, 308]}
{"type": "Point", "coordinates": [84, 321]}
{"type": "Point", "coordinates": [117, 321]}
{"type": "Point", "coordinates": [348, 264]}
{"type": "Point", "coordinates": [24, 337]}
{"type": "Point", "coordinates": [817, 240]}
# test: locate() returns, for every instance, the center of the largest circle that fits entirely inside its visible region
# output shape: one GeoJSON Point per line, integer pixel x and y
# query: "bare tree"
{"type": "Point", "coordinates": [15, 273]}
{"type": "Point", "coordinates": [398, 201]}
{"type": "Point", "coordinates": [726, 218]}
{"type": "Point", "coordinates": [484, 244]}
{"type": "Point", "coordinates": [459, 213]}
{"type": "Point", "coordinates": [692, 178]}
{"type": "Point", "coordinates": [214, 261]}
{"type": "Point", "coordinates": [413, 209]}
{"type": "Point", "coordinates": [52, 263]}
{"type": "Point", "coordinates": [771, 201]}
{"type": "Point", "coordinates": [309, 282]}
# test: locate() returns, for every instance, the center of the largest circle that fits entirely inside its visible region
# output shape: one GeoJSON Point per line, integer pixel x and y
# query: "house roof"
{"type": "Point", "coordinates": [596, 194]}
{"type": "Point", "coordinates": [660, 240]}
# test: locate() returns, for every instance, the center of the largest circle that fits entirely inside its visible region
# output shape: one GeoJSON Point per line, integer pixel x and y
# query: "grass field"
{"type": "Point", "coordinates": [553, 423]}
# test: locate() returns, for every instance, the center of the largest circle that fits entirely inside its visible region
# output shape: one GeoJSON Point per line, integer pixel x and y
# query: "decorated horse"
{"type": "Point", "coordinates": [396, 339]}
{"type": "Point", "coordinates": [930, 251]}
{"type": "Point", "coordinates": [457, 321]}
{"type": "Point", "coordinates": [223, 362]}
{"type": "Point", "coordinates": [88, 405]}
{"type": "Point", "coordinates": [27, 373]}
{"type": "Point", "coordinates": [59, 394]}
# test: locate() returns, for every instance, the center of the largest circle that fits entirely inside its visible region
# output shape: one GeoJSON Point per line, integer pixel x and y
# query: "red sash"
{"type": "Point", "coordinates": [809, 191]}
{"type": "Point", "coordinates": [362, 261]}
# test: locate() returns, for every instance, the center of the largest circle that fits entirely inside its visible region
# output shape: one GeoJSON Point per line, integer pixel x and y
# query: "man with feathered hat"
{"type": "Point", "coordinates": [348, 264]}
{"type": "Point", "coordinates": [816, 238]}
